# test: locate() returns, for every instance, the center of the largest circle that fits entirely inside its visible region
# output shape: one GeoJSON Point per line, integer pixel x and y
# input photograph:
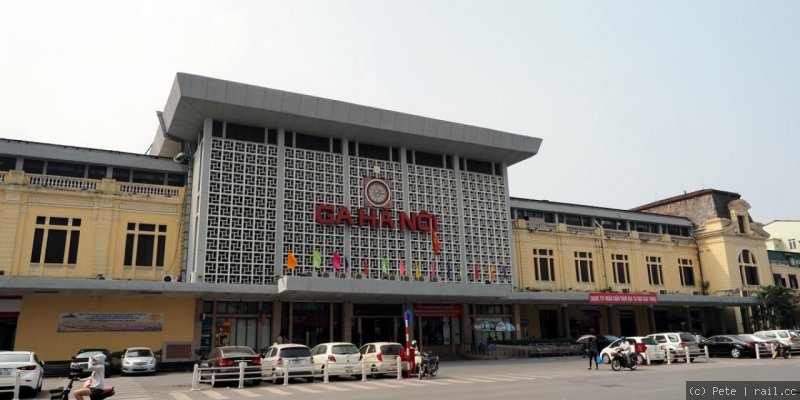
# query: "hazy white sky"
{"type": "Point", "coordinates": [635, 100]}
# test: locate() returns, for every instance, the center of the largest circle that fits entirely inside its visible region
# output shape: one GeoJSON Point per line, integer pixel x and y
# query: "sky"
{"type": "Point", "coordinates": [635, 101]}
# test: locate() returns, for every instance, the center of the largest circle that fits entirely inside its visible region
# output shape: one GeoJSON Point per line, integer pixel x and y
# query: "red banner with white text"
{"type": "Point", "coordinates": [622, 298]}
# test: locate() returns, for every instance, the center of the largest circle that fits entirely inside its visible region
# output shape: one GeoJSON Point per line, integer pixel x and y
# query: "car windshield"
{"type": "Point", "coordinates": [344, 349]}
{"type": "Point", "coordinates": [783, 334]}
{"type": "Point", "coordinates": [294, 352]}
{"type": "Point", "coordinates": [686, 337]}
{"type": "Point", "coordinates": [4, 358]}
{"type": "Point", "coordinates": [742, 338]}
{"type": "Point", "coordinates": [140, 353]}
{"type": "Point", "coordinates": [391, 349]}
{"type": "Point", "coordinates": [794, 334]}
{"type": "Point", "coordinates": [649, 341]}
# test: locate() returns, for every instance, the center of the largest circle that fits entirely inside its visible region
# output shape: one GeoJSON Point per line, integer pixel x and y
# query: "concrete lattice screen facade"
{"type": "Point", "coordinates": [240, 244]}
{"type": "Point", "coordinates": [244, 193]}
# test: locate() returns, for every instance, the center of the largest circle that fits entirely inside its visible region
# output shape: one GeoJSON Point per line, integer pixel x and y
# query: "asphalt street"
{"type": "Point", "coordinates": [539, 378]}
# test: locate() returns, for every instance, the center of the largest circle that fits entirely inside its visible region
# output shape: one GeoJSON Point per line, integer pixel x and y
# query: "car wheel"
{"type": "Point", "coordinates": [256, 382]}
{"type": "Point", "coordinates": [39, 385]}
{"type": "Point", "coordinates": [274, 377]}
{"type": "Point", "coordinates": [606, 359]}
{"type": "Point", "coordinates": [736, 353]}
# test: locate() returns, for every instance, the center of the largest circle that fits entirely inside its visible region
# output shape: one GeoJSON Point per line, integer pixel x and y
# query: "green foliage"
{"type": "Point", "coordinates": [776, 308]}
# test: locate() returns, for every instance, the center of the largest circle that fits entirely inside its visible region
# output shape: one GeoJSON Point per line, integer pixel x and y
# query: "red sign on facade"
{"type": "Point", "coordinates": [436, 310]}
{"type": "Point", "coordinates": [622, 298]}
{"type": "Point", "coordinates": [328, 214]}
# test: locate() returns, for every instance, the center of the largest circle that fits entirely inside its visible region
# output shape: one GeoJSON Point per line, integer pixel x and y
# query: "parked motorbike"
{"type": "Point", "coordinates": [62, 393]}
{"type": "Point", "coordinates": [428, 365]}
{"type": "Point", "coordinates": [618, 361]}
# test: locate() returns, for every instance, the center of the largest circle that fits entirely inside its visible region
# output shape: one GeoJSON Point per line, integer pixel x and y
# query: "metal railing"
{"type": "Point", "coordinates": [14, 390]}
{"type": "Point", "coordinates": [213, 375]}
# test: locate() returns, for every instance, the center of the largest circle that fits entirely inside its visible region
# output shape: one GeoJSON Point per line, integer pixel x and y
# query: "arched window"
{"type": "Point", "coordinates": [748, 268]}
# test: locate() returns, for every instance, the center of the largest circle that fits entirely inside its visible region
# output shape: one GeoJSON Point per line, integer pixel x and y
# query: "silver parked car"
{"type": "Point", "coordinates": [138, 360]}
{"type": "Point", "coordinates": [676, 343]}
{"type": "Point", "coordinates": [786, 337]}
{"type": "Point", "coordinates": [295, 359]}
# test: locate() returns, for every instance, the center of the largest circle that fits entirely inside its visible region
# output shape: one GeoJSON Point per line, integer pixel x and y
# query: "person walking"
{"type": "Point", "coordinates": [593, 353]}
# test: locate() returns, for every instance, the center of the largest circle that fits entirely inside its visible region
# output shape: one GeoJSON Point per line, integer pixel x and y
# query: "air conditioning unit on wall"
{"type": "Point", "coordinates": [170, 278]}
{"type": "Point", "coordinates": [662, 291]}
{"type": "Point", "coordinates": [626, 290]}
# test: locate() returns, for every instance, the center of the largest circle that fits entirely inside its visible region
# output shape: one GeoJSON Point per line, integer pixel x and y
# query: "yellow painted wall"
{"type": "Point", "coordinates": [37, 328]}
{"type": "Point", "coordinates": [104, 213]}
{"type": "Point", "coordinates": [565, 244]}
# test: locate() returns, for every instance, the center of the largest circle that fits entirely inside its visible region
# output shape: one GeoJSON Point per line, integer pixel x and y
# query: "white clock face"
{"type": "Point", "coordinates": [377, 193]}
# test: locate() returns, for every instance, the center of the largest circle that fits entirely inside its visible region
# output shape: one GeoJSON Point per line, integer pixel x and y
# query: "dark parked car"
{"type": "Point", "coordinates": [604, 340]}
{"type": "Point", "coordinates": [731, 346]}
{"type": "Point", "coordinates": [231, 356]}
{"type": "Point", "coordinates": [81, 360]}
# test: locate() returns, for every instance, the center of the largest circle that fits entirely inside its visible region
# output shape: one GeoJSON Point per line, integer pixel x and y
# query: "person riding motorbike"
{"type": "Point", "coordinates": [97, 366]}
{"type": "Point", "coordinates": [625, 349]}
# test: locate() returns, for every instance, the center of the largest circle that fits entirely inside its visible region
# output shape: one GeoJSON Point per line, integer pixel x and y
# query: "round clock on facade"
{"type": "Point", "coordinates": [377, 192]}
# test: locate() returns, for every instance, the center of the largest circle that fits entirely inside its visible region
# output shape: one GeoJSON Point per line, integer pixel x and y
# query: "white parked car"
{"type": "Point", "coordinates": [381, 357]}
{"type": "Point", "coordinates": [676, 344]}
{"type": "Point", "coordinates": [138, 360]}
{"type": "Point", "coordinates": [29, 366]}
{"type": "Point", "coordinates": [342, 358]}
{"type": "Point", "coordinates": [786, 337]}
{"type": "Point", "coordinates": [650, 344]}
{"type": "Point", "coordinates": [295, 359]}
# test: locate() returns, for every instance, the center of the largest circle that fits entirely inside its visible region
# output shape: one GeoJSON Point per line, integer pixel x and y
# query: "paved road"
{"type": "Point", "coordinates": [543, 378]}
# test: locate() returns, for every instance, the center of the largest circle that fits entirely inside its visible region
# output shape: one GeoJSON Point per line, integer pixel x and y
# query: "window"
{"type": "Point", "coordinates": [310, 142]}
{"type": "Point", "coordinates": [792, 244]}
{"type": "Point", "coordinates": [149, 177]}
{"type": "Point", "coordinates": [777, 280]}
{"type": "Point", "coordinates": [481, 167]}
{"type": "Point", "coordinates": [7, 163]}
{"type": "Point", "coordinates": [686, 271]}
{"type": "Point", "coordinates": [748, 268]}
{"type": "Point", "coordinates": [96, 172]}
{"type": "Point", "coordinates": [56, 239]}
{"type": "Point", "coordinates": [740, 220]}
{"type": "Point", "coordinates": [793, 281]}
{"type": "Point", "coordinates": [584, 269]}
{"type": "Point", "coordinates": [33, 166]}
{"type": "Point", "coordinates": [374, 152]}
{"type": "Point", "coordinates": [121, 174]}
{"type": "Point", "coordinates": [622, 273]}
{"type": "Point", "coordinates": [145, 244]}
{"type": "Point", "coordinates": [428, 159]}
{"type": "Point", "coordinates": [243, 132]}
{"type": "Point", "coordinates": [543, 265]}
{"type": "Point", "coordinates": [65, 169]}
{"type": "Point", "coordinates": [654, 273]}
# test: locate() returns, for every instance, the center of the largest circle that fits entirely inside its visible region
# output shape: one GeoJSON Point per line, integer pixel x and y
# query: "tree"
{"type": "Point", "coordinates": [776, 309]}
